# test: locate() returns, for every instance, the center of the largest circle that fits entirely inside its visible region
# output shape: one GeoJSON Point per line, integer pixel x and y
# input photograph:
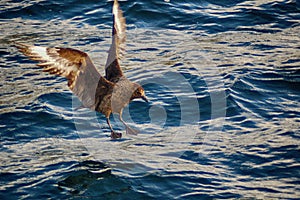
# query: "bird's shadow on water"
{"type": "Point", "coordinates": [92, 179]}
{"type": "Point", "coordinates": [82, 176]}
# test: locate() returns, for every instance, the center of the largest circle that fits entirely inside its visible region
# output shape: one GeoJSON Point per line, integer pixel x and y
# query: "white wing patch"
{"type": "Point", "coordinates": [40, 52]}
{"type": "Point", "coordinates": [58, 65]}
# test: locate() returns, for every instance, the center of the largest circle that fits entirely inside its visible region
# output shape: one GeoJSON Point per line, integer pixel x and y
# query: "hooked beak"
{"type": "Point", "coordinates": [145, 99]}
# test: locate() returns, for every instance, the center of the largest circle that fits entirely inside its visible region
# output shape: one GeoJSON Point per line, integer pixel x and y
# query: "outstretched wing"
{"type": "Point", "coordinates": [112, 68]}
{"type": "Point", "coordinates": [83, 78]}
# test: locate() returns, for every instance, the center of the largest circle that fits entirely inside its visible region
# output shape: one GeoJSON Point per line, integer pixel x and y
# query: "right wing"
{"type": "Point", "coordinates": [83, 78]}
{"type": "Point", "coordinates": [112, 68]}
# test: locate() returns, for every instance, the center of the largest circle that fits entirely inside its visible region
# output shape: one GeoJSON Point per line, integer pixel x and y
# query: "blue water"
{"type": "Point", "coordinates": [223, 80]}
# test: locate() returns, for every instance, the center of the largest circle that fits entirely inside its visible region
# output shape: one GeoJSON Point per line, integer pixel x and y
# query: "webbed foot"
{"type": "Point", "coordinates": [131, 131]}
{"type": "Point", "coordinates": [115, 135]}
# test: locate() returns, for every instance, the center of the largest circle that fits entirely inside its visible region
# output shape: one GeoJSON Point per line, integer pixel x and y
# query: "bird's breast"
{"type": "Point", "coordinates": [121, 95]}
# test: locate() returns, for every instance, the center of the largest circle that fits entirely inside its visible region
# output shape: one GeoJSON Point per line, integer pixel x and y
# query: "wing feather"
{"type": "Point", "coordinates": [83, 78]}
{"type": "Point", "coordinates": [117, 48]}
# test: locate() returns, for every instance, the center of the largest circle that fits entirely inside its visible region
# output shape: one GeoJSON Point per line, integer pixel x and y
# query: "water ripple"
{"type": "Point", "coordinates": [223, 122]}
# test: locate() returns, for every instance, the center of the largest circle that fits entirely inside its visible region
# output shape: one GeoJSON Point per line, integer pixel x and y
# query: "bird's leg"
{"type": "Point", "coordinates": [129, 130]}
{"type": "Point", "coordinates": [113, 135]}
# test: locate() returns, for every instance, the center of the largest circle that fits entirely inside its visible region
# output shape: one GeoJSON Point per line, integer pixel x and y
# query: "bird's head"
{"type": "Point", "coordinates": [139, 93]}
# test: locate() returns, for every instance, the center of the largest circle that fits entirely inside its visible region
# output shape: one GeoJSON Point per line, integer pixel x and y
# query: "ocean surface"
{"type": "Point", "coordinates": [223, 80]}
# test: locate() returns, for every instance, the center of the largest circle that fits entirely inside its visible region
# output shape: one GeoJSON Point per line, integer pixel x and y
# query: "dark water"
{"type": "Point", "coordinates": [223, 78]}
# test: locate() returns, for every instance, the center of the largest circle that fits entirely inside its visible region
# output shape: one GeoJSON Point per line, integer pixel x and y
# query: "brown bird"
{"type": "Point", "coordinates": [109, 94]}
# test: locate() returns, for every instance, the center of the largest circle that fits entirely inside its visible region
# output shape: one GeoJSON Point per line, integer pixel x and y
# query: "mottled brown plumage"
{"type": "Point", "coordinates": [109, 94]}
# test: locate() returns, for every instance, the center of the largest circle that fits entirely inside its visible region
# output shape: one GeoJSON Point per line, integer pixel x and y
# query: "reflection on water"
{"type": "Point", "coordinates": [223, 122]}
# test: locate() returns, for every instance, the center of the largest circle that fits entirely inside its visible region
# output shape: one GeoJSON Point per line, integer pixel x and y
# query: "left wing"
{"type": "Point", "coordinates": [83, 78]}
{"type": "Point", "coordinates": [112, 68]}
